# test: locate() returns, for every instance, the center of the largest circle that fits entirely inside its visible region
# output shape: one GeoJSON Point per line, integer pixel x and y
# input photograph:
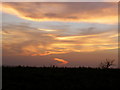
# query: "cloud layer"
{"type": "Point", "coordinates": [24, 40]}
{"type": "Point", "coordinates": [74, 12]}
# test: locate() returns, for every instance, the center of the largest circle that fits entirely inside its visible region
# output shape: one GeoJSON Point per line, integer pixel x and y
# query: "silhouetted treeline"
{"type": "Point", "coordinates": [49, 78]}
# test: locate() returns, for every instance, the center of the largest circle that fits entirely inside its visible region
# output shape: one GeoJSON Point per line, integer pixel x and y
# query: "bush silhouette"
{"type": "Point", "coordinates": [107, 64]}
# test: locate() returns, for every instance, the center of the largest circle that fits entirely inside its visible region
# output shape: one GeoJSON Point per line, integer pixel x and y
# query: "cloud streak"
{"type": "Point", "coordinates": [66, 12]}
{"type": "Point", "coordinates": [61, 61]}
{"type": "Point", "coordinates": [47, 30]}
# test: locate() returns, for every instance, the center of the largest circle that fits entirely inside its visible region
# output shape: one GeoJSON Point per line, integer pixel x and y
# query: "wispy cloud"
{"type": "Point", "coordinates": [26, 40]}
{"type": "Point", "coordinates": [71, 12]}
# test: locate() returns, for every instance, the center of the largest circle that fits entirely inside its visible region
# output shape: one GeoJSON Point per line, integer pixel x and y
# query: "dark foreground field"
{"type": "Point", "coordinates": [31, 78]}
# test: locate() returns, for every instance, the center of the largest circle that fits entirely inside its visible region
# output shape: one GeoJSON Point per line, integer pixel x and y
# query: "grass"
{"type": "Point", "coordinates": [49, 78]}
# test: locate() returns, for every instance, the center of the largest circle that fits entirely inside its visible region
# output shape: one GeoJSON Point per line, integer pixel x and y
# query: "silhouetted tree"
{"type": "Point", "coordinates": [107, 64]}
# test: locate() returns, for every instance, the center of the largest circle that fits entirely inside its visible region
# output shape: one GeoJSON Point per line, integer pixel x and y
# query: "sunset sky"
{"type": "Point", "coordinates": [61, 34]}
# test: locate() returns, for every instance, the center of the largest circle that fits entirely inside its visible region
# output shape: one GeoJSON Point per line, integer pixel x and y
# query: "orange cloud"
{"type": "Point", "coordinates": [61, 60]}
{"type": "Point", "coordinates": [66, 12]}
{"type": "Point", "coordinates": [47, 30]}
{"type": "Point", "coordinates": [18, 40]}
{"type": "Point", "coordinates": [48, 53]}
{"type": "Point", "coordinates": [88, 43]}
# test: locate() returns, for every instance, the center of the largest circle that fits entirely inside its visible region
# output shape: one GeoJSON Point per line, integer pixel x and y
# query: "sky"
{"type": "Point", "coordinates": [60, 0]}
{"type": "Point", "coordinates": [59, 33]}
